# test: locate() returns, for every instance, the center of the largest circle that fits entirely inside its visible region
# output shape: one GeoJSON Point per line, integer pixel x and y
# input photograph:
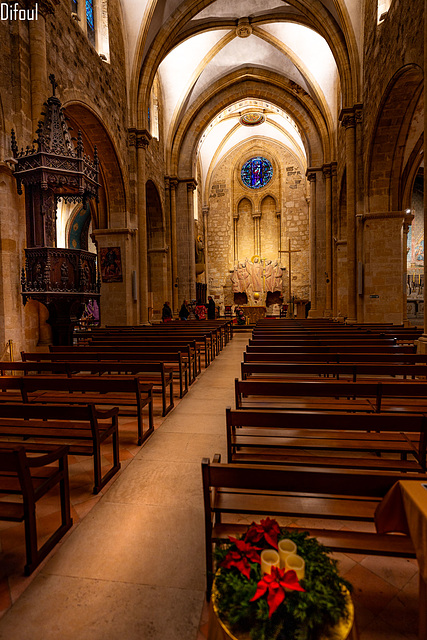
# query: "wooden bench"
{"type": "Point", "coordinates": [270, 437]}
{"type": "Point", "coordinates": [29, 478]}
{"type": "Point", "coordinates": [405, 396]}
{"type": "Point", "coordinates": [280, 370]}
{"type": "Point", "coordinates": [172, 361]}
{"type": "Point", "coordinates": [84, 428]}
{"type": "Point", "coordinates": [255, 354]}
{"type": "Point", "coordinates": [155, 373]}
{"type": "Point", "coordinates": [128, 393]}
{"type": "Point", "coordinates": [295, 493]}
{"type": "Point", "coordinates": [142, 354]}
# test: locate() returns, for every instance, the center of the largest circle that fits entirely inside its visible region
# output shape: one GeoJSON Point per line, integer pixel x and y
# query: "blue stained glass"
{"type": "Point", "coordinates": [256, 172]}
{"type": "Point", "coordinates": [89, 14]}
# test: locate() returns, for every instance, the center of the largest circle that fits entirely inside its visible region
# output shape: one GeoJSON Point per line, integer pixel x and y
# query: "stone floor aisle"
{"type": "Point", "coordinates": [134, 568]}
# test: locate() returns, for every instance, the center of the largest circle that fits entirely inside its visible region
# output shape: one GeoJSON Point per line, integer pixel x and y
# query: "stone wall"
{"type": "Point", "coordinates": [231, 204]}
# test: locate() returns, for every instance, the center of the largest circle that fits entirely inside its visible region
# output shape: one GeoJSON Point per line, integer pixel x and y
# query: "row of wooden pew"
{"type": "Point", "coordinates": [327, 419]}
{"type": "Point", "coordinates": [68, 401]}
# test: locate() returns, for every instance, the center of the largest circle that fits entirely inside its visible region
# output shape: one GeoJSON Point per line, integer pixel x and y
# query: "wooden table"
{"type": "Point", "coordinates": [404, 510]}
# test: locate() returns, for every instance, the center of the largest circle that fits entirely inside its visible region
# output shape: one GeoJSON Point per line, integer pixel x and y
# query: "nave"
{"type": "Point", "coordinates": [134, 568]}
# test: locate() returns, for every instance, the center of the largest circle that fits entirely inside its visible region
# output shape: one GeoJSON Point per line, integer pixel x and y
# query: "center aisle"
{"type": "Point", "coordinates": [134, 568]}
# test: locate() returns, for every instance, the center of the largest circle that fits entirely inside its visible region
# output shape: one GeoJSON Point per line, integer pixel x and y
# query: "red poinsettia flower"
{"type": "Point", "coordinates": [241, 558]}
{"type": "Point", "coordinates": [267, 529]}
{"type": "Point", "coordinates": [274, 585]}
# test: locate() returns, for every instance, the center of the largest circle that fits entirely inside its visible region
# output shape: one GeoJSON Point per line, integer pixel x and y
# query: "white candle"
{"type": "Point", "coordinates": [295, 562]}
{"type": "Point", "coordinates": [269, 558]}
{"type": "Point", "coordinates": [286, 547]}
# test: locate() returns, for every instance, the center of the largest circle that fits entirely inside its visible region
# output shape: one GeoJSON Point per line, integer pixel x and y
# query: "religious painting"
{"type": "Point", "coordinates": [111, 264]}
{"type": "Point", "coordinates": [419, 253]}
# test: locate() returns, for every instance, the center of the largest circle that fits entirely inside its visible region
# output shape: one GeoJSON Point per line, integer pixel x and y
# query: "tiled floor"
{"type": "Point", "coordinates": [133, 567]}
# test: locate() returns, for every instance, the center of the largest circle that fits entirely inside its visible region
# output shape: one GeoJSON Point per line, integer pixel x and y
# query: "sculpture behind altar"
{"type": "Point", "coordinates": [256, 278]}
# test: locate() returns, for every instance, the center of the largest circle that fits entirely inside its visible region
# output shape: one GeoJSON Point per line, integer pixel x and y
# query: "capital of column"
{"type": "Point", "coordinates": [334, 168]}
{"type": "Point", "coordinates": [205, 210]}
{"type": "Point", "coordinates": [191, 184]}
{"type": "Point", "coordinates": [311, 177]}
{"type": "Point", "coordinates": [327, 170]}
{"type": "Point", "coordinates": [278, 213]}
{"type": "Point", "coordinates": [256, 214]}
{"type": "Point", "coordinates": [173, 183]}
{"type": "Point", "coordinates": [139, 138]}
{"type": "Point", "coordinates": [347, 118]}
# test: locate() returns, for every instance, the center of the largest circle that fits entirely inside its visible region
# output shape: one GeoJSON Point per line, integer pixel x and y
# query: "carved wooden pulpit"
{"type": "Point", "coordinates": [64, 280]}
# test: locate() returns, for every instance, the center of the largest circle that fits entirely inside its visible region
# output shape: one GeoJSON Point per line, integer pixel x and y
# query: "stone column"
{"type": "Point", "coordinates": [191, 187]}
{"type": "Point", "coordinates": [235, 236]}
{"type": "Point", "coordinates": [173, 185]}
{"type": "Point", "coordinates": [327, 172]}
{"type": "Point", "coordinates": [279, 234]}
{"type": "Point", "coordinates": [334, 236]}
{"type": "Point", "coordinates": [424, 337]}
{"type": "Point", "coordinates": [257, 232]}
{"type": "Point", "coordinates": [406, 224]}
{"type": "Point", "coordinates": [348, 121]}
{"type": "Point", "coordinates": [169, 285]}
{"type": "Point", "coordinates": [205, 212]}
{"type": "Point", "coordinates": [311, 177]}
{"type": "Point", "coordinates": [142, 140]}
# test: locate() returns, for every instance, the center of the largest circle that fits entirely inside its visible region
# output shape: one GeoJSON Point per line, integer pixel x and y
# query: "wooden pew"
{"type": "Point", "coordinates": [128, 393]}
{"type": "Point", "coordinates": [254, 354]}
{"type": "Point", "coordinates": [175, 361]}
{"type": "Point", "coordinates": [30, 478]}
{"type": "Point", "coordinates": [155, 373]}
{"type": "Point", "coordinates": [282, 371]}
{"type": "Point", "coordinates": [325, 395]}
{"type": "Point", "coordinates": [187, 354]}
{"type": "Point", "coordinates": [233, 490]}
{"type": "Point", "coordinates": [84, 428]}
{"type": "Point", "coordinates": [271, 437]}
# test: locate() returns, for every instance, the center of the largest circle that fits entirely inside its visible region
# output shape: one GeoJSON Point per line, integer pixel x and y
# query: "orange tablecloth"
{"type": "Point", "coordinates": [404, 510]}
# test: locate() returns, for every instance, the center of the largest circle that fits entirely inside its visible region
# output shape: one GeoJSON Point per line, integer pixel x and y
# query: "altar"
{"type": "Point", "coordinates": [253, 314]}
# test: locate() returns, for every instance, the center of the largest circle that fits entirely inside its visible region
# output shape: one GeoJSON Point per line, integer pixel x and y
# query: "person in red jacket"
{"type": "Point", "coordinates": [200, 311]}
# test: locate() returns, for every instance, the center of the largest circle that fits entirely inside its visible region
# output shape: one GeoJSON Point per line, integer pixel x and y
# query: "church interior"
{"type": "Point", "coordinates": [266, 156]}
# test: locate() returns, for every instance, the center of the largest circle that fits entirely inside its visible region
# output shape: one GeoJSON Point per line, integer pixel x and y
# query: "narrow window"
{"type": "Point", "coordinates": [90, 21]}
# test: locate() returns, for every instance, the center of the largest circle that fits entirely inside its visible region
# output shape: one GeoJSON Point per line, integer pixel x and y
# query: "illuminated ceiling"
{"type": "Point", "coordinates": [303, 41]}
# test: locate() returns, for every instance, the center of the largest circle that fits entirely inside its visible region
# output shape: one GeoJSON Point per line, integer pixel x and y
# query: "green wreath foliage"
{"type": "Point", "coordinates": [302, 615]}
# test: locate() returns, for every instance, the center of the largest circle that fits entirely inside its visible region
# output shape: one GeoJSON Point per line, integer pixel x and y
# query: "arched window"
{"type": "Point", "coordinates": [92, 16]}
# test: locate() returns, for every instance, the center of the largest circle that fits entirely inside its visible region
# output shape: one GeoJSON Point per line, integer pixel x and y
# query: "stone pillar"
{"type": "Point", "coordinates": [383, 257]}
{"type": "Point", "coordinates": [168, 240]}
{"type": "Point", "coordinates": [205, 212]}
{"type": "Point", "coordinates": [142, 140]}
{"type": "Point", "coordinates": [311, 177]}
{"type": "Point", "coordinates": [406, 224]}
{"type": "Point", "coordinates": [423, 341]}
{"type": "Point", "coordinates": [191, 187]}
{"type": "Point", "coordinates": [327, 172]}
{"type": "Point", "coordinates": [279, 234]}
{"type": "Point", "coordinates": [235, 236]}
{"type": "Point", "coordinates": [348, 121]}
{"type": "Point", "coordinates": [173, 182]}
{"type": "Point", "coordinates": [257, 232]}
{"type": "Point", "coordinates": [334, 237]}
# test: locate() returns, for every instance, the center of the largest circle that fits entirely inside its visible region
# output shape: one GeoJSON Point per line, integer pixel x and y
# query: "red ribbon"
{"type": "Point", "coordinates": [268, 530]}
{"type": "Point", "coordinates": [241, 558]}
{"type": "Point", "coordinates": [274, 585]}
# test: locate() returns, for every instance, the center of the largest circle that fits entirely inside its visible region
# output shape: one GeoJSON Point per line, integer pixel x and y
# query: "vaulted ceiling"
{"type": "Point", "coordinates": [197, 47]}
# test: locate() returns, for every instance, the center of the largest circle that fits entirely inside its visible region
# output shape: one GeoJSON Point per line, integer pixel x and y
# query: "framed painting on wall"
{"type": "Point", "coordinates": [111, 264]}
